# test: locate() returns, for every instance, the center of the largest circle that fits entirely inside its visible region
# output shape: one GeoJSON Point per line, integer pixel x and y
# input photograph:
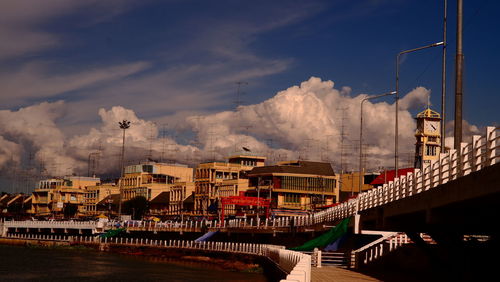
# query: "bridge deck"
{"type": "Point", "coordinates": [336, 274]}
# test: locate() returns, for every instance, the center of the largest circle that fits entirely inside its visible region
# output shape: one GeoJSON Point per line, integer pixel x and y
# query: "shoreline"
{"type": "Point", "coordinates": [222, 261]}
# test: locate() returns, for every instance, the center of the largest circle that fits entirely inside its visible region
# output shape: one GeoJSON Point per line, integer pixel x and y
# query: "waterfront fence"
{"type": "Point", "coordinates": [295, 264]}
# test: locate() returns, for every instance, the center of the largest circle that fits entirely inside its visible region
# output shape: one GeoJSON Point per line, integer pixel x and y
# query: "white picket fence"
{"type": "Point", "coordinates": [297, 265]}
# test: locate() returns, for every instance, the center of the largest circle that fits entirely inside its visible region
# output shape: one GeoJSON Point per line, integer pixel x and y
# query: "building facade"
{"type": "Point", "coordinates": [97, 195]}
{"type": "Point", "coordinates": [55, 195]}
{"type": "Point", "coordinates": [299, 185]}
{"type": "Point", "coordinates": [179, 193]}
{"type": "Point", "coordinates": [214, 180]}
{"type": "Point", "coordinates": [150, 179]}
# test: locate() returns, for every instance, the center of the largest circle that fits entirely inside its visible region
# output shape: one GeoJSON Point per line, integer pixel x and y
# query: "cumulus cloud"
{"type": "Point", "coordinates": [303, 121]}
{"type": "Point", "coordinates": [10, 152]}
{"type": "Point", "coordinates": [468, 130]}
{"type": "Point", "coordinates": [302, 118]}
{"type": "Point", "coordinates": [34, 127]}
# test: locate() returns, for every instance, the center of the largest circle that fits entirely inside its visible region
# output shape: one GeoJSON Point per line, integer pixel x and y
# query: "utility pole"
{"type": "Point", "coordinates": [459, 60]}
{"type": "Point", "coordinates": [443, 81]}
{"type": "Point", "coordinates": [124, 125]}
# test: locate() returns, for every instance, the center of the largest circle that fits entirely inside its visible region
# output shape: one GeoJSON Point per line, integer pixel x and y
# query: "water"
{"type": "Point", "coordinates": [40, 264]}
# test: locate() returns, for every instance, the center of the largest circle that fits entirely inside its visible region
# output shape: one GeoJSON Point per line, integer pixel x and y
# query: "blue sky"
{"type": "Point", "coordinates": [272, 45]}
{"type": "Point", "coordinates": [168, 60]}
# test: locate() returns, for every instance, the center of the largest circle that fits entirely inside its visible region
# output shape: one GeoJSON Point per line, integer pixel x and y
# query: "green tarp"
{"type": "Point", "coordinates": [324, 240]}
{"type": "Point", "coordinates": [112, 232]}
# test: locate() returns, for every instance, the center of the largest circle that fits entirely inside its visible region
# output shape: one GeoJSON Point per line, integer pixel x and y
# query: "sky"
{"type": "Point", "coordinates": [201, 79]}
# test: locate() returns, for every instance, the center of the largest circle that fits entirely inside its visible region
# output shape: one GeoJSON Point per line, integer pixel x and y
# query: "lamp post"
{"type": "Point", "coordinates": [396, 133]}
{"type": "Point", "coordinates": [125, 124]}
{"type": "Point", "coordinates": [361, 135]}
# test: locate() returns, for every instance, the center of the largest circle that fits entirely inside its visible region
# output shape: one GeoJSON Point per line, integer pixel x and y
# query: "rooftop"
{"type": "Point", "coordinates": [389, 175]}
{"type": "Point", "coordinates": [296, 167]}
{"type": "Point", "coordinates": [428, 113]}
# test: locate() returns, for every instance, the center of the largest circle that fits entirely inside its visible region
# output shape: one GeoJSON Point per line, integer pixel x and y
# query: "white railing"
{"type": "Point", "coordinates": [295, 264]}
{"type": "Point", "coordinates": [51, 224]}
{"type": "Point", "coordinates": [377, 249]}
{"type": "Point", "coordinates": [483, 151]}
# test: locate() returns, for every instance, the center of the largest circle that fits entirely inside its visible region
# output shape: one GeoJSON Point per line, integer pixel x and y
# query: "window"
{"type": "Point", "coordinates": [292, 198]}
{"type": "Point", "coordinates": [432, 139]}
{"type": "Point", "coordinates": [430, 150]}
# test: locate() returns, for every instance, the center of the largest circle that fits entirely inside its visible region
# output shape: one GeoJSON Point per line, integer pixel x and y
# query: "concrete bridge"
{"type": "Point", "coordinates": [467, 205]}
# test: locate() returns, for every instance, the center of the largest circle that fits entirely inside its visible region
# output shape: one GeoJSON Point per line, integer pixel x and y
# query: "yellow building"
{"type": "Point", "coordinates": [350, 184]}
{"type": "Point", "coordinates": [96, 194]}
{"type": "Point", "coordinates": [179, 193]}
{"type": "Point", "coordinates": [299, 185]}
{"type": "Point", "coordinates": [216, 179]}
{"type": "Point", "coordinates": [54, 195]}
{"type": "Point", "coordinates": [428, 135]}
{"type": "Point", "coordinates": [150, 179]}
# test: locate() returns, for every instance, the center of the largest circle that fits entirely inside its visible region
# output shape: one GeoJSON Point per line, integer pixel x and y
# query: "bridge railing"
{"type": "Point", "coordinates": [483, 151]}
{"type": "Point", "coordinates": [377, 249]}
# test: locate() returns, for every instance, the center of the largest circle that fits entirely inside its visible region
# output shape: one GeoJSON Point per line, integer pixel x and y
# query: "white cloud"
{"type": "Point", "coordinates": [299, 120]}
{"type": "Point", "coordinates": [34, 80]}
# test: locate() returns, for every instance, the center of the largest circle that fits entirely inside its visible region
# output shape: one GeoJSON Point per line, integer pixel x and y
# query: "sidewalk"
{"type": "Point", "coordinates": [335, 274]}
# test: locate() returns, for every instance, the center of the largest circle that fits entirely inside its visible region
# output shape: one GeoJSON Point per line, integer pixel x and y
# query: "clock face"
{"type": "Point", "coordinates": [432, 126]}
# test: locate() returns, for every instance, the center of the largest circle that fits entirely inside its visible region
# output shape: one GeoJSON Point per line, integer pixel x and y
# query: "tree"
{"type": "Point", "coordinates": [136, 207]}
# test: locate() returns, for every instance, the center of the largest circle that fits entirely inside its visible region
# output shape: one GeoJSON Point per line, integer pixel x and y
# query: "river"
{"type": "Point", "coordinates": [58, 264]}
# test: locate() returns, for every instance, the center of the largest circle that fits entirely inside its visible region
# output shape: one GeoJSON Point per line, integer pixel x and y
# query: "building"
{"type": "Point", "coordinates": [299, 185]}
{"type": "Point", "coordinates": [349, 185]}
{"type": "Point", "coordinates": [150, 179]}
{"type": "Point", "coordinates": [428, 135]}
{"type": "Point", "coordinates": [216, 179]}
{"type": "Point", "coordinates": [179, 194]}
{"type": "Point", "coordinates": [160, 204]}
{"type": "Point", "coordinates": [56, 196]}
{"type": "Point", "coordinates": [389, 175]}
{"type": "Point", "coordinates": [15, 204]}
{"type": "Point", "coordinates": [98, 198]}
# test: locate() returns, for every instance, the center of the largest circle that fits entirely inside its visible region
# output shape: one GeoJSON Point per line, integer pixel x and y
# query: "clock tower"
{"type": "Point", "coordinates": [428, 135]}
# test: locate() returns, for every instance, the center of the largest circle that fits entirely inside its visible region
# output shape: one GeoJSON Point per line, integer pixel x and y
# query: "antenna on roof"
{"type": "Point", "coordinates": [343, 139]}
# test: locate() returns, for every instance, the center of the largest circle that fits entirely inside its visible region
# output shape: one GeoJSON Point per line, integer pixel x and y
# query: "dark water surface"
{"type": "Point", "coordinates": [47, 264]}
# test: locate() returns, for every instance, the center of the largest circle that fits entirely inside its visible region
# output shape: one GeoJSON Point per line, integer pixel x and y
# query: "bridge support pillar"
{"type": "Point", "coordinates": [357, 224]}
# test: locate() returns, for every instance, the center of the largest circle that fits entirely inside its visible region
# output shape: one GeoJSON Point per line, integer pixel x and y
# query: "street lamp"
{"type": "Point", "coordinates": [396, 133]}
{"type": "Point", "coordinates": [361, 135]}
{"type": "Point", "coordinates": [125, 124]}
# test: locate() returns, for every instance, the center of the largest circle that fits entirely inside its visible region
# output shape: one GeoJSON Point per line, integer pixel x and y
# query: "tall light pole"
{"type": "Point", "coordinates": [396, 130]}
{"type": "Point", "coordinates": [459, 60]}
{"type": "Point", "coordinates": [361, 135]}
{"type": "Point", "coordinates": [124, 125]}
{"type": "Point", "coordinates": [443, 80]}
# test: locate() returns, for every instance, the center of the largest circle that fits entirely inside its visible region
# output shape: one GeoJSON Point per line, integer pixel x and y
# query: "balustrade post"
{"type": "Point", "coordinates": [464, 160]}
{"type": "Point", "coordinates": [491, 135]}
{"type": "Point", "coordinates": [427, 176]}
